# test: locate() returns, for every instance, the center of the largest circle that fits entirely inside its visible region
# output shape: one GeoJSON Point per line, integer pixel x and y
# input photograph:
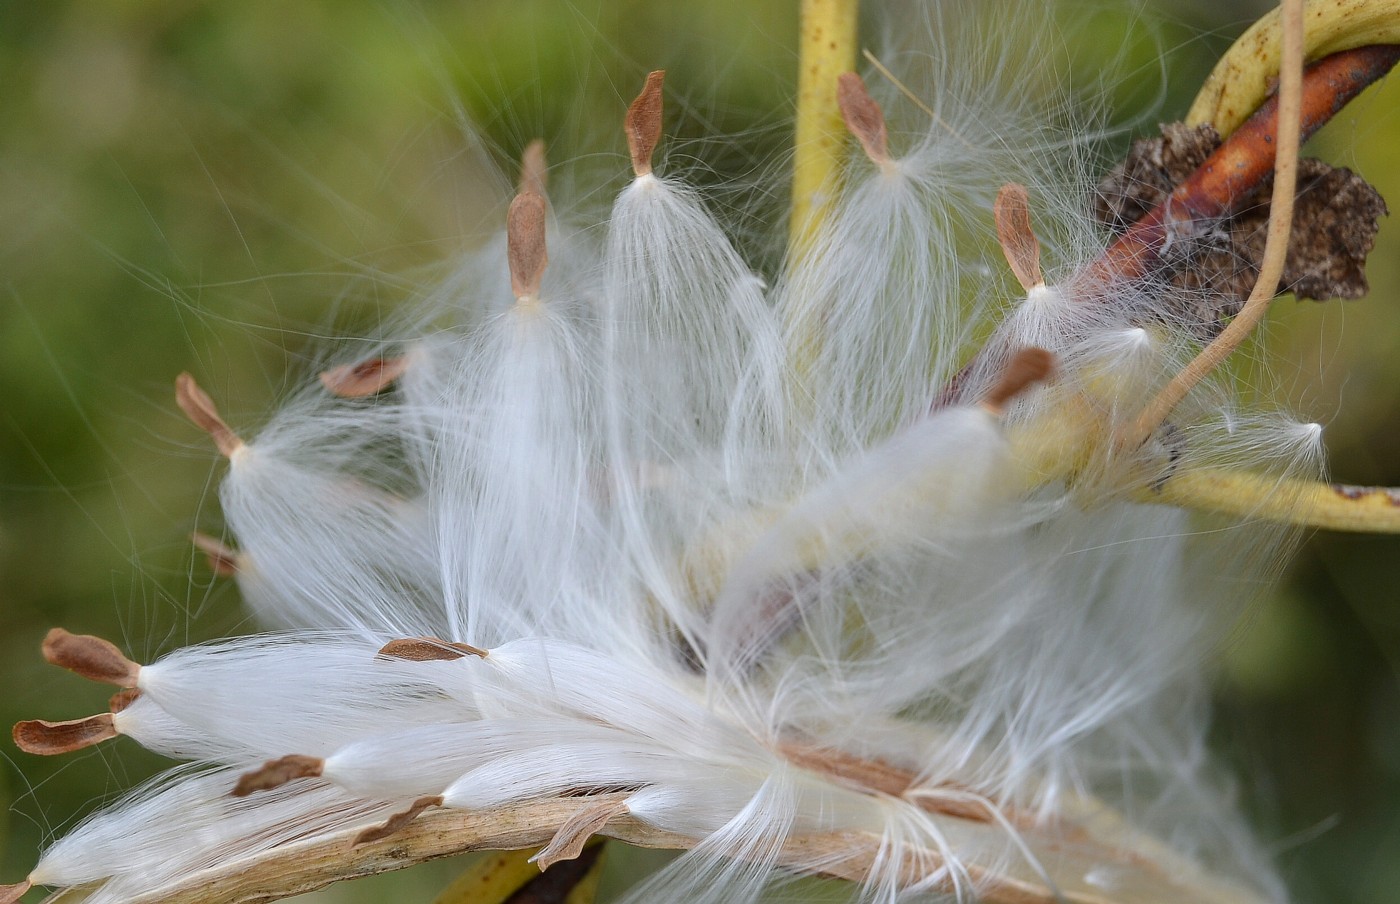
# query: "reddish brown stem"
{"type": "Point", "coordinates": [1230, 175]}
{"type": "Point", "coordinates": [1241, 164]}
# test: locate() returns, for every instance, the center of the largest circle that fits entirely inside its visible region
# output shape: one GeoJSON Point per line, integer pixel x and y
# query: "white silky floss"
{"type": "Point", "coordinates": [741, 553]}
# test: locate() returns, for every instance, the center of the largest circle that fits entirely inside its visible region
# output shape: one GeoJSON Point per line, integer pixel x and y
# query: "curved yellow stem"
{"type": "Point", "coordinates": [1245, 74]}
{"type": "Point", "coordinates": [1291, 37]}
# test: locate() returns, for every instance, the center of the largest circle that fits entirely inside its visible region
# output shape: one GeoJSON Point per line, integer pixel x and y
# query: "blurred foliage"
{"type": "Point", "coordinates": [217, 186]}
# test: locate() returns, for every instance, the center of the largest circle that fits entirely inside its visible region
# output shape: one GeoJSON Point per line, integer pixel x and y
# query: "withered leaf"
{"type": "Point", "coordinates": [1334, 228]}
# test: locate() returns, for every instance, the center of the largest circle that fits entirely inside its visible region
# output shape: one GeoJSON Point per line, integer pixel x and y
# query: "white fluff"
{"type": "Point", "coordinates": [306, 694]}
{"type": "Point", "coordinates": [709, 534]}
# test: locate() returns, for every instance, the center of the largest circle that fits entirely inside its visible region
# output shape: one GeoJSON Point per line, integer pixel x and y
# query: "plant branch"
{"type": "Point", "coordinates": [1231, 174]}
{"type": "Point", "coordinates": [315, 863]}
{"type": "Point", "coordinates": [1307, 503]}
{"type": "Point", "coordinates": [1286, 140]}
{"type": "Point", "coordinates": [827, 50]}
{"type": "Point", "coordinates": [1240, 165]}
{"type": "Point", "coordinates": [1244, 76]}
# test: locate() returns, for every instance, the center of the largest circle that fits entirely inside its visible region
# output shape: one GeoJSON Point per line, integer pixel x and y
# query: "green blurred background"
{"type": "Point", "coordinates": [217, 186]}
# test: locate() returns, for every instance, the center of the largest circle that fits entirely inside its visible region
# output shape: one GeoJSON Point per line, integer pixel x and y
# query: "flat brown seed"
{"type": "Point", "coordinates": [1012, 211]}
{"type": "Point", "coordinates": [200, 408]}
{"type": "Point", "coordinates": [863, 116]}
{"type": "Point", "coordinates": [534, 169]}
{"type": "Point", "coordinates": [50, 738]}
{"type": "Point", "coordinates": [364, 378]}
{"type": "Point", "coordinates": [568, 842]}
{"type": "Point", "coordinates": [397, 821]}
{"type": "Point", "coordinates": [275, 773]}
{"type": "Point", "coordinates": [429, 649]}
{"type": "Point", "coordinates": [643, 124]}
{"type": "Point", "coordinates": [91, 657]}
{"type": "Point", "coordinates": [525, 244]}
{"type": "Point", "coordinates": [1028, 366]}
{"type": "Point", "coordinates": [223, 560]}
{"type": "Point", "coordinates": [10, 894]}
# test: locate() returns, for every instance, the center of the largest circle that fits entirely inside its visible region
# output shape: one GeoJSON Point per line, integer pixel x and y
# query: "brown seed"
{"type": "Point", "coordinates": [275, 773]}
{"type": "Point", "coordinates": [397, 821]}
{"type": "Point", "coordinates": [364, 378]}
{"type": "Point", "coordinates": [525, 245]}
{"type": "Point", "coordinates": [10, 894]}
{"type": "Point", "coordinates": [1027, 367]}
{"type": "Point", "coordinates": [429, 649]}
{"type": "Point", "coordinates": [50, 738]}
{"type": "Point", "coordinates": [91, 657]}
{"type": "Point", "coordinates": [200, 409]}
{"type": "Point", "coordinates": [1012, 211]}
{"type": "Point", "coordinates": [643, 124]}
{"type": "Point", "coordinates": [223, 560]}
{"type": "Point", "coordinates": [863, 116]}
{"type": "Point", "coordinates": [568, 842]}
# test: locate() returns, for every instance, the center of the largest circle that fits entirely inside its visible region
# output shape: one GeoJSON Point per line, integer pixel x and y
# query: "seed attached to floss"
{"type": "Point", "coordinates": [895, 575]}
{"type": "Point", "coordinates": [364, 378]}
{"type": "Point", "coordinates": [1026, 368]}
{"type": "Point", "coordinates": [200, 408]}
{"type": "Point", "coordinates": [91, 657]}
{"type": "Point", "coordinates": [50, 738]}
{"type": "Point", "coordinates": [643, 124]}
{"type": "Point", "coordinates": [525, 246]}
{"type": "Point", "coordinates": [44, 738]}
{"type": "Point", "coordinates": [1012, 211]}
{"type": "Point", "coordinates": [276, 773]}
{"type": "Point", "coordinates": [396, 822]}
{"type": "Point", "coordinates": [429, 649]}
{"type": "Point", "coordinates": [571, 838]}
{"type": "Point", "coordinates": [223, 560]}
{"type": "Point", "coordinates": [863, 117]}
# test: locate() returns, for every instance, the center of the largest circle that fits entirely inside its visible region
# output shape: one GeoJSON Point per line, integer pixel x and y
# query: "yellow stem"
{"type": "Point", "coordinates": [1290, 111]}
{"type": "Point", "coordinates": [827, 48]}
{"type": "Point", "coordinates": [1244, 76]}
{"type": "Point", "coordinates": [1057, 448]}
{"type": "Point", "coordinates": [1307, 503]}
